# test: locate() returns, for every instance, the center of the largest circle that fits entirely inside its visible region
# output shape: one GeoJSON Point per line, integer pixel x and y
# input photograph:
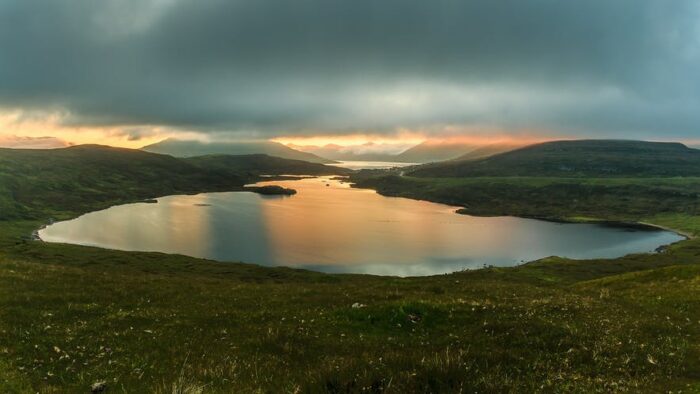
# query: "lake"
{"type": "Point", "coordinates": [370, 165]}
{"type": "Point", "coordinates": [328, 226]}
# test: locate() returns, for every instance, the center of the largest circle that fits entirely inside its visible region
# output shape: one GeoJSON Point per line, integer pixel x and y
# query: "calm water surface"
{"type": "Point", "coordinates": [328, 226]}
{"type": "Point", "coordinates": [370, 165]}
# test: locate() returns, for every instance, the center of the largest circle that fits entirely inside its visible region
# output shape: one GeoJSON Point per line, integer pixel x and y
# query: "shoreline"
{"type": "Point", "coordinates": [640, 226]}
{"type": "Point", "coordinates": [35, 234]}
{"type": "Point", "coordinates": [643, 226]}
{"type": "Point", "coordinates": [685, 234]}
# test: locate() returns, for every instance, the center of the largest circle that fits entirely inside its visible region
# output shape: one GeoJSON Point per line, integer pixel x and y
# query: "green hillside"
{"type": "Point", "coordinates": [74, 316]}
{"type": "Point", "coordinates": [581, 158]}
{"type": "Point", "coordinates": [37, 184]}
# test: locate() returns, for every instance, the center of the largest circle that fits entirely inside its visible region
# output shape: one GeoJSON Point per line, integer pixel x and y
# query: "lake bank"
{"type": "Point", "coordinates": [150, 299]}
{"type": "Point", "coordinates": [329, 227]}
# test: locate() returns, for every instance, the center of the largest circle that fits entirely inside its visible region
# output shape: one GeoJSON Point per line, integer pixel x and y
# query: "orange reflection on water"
{"type": "Point", "coordinates": [188, 226]}
{"type": "Point", "coordinates": [332, 225]}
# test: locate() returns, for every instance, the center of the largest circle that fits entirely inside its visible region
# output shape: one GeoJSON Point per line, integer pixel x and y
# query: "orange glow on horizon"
{"type": "Point", "coordinates": [18, 128]}
{"type": "Point", "coordinates": [413, 138]}
{"type": "Point", "coordinates": [350, 140]}
{"type": "Point", "coordinates": [16, 125]}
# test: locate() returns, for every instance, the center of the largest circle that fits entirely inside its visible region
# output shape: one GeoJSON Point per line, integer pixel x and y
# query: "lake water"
{"type": "Point", "coordinates": [370, 165]}
{"type": "Point", "coordinates": [330, 227]}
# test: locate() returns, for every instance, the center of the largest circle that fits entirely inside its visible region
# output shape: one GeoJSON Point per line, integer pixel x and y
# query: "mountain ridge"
{"type": "Point", "coordinates": [192, 148]}
{"type": "Point", "coordinates": [433, 151]}
{"type": "Point", "coordinates": [576, 158]}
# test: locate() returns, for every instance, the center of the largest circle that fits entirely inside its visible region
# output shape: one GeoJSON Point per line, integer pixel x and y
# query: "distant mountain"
{"type": "Point", "coordinates": [430, 151]}
{"type": "Point", "coordinates": [476, 154]}
{"type": "Point", "coordinates": [594, 158]}
{"type": "Point", "coordinates": [489, 150]}
{"type": "Point", "coordinates": [259, 164]}
{"type": "Point", "coordinates": [366, 152]}
{"type": "Point", "coordinates": [425, 152]}
{"type": "Point", "coordinates": [183, 148]}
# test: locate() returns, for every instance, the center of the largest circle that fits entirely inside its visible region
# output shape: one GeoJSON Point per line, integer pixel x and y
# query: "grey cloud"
{"type": "Point", "coordinates": [136, 133]}
{"type": "Point", "coordinates": [16, 142]}
{"type": "Point", "coordinates": [620, 68]}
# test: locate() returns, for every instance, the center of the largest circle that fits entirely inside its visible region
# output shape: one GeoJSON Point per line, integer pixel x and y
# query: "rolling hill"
{"type": "Point", "coordinates": [579, 158]}
{"type": "Point", "coordinates": [183, 148]}
{"type": "Point", "coordinates": [36, 182]}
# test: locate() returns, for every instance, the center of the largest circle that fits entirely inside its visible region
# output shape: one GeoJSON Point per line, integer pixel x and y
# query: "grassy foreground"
{"type": "Point", "coordinates": [72, 316]}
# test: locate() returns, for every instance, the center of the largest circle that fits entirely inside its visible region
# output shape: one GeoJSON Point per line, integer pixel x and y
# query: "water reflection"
{"type": "Point", "coordinates": [330, 227]}
{"type": "Point", "coordinates": [370, 165]}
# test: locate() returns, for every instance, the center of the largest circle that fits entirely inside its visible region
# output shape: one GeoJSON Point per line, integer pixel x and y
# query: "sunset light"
{"type": "Point", "coordinates": [349, 196]}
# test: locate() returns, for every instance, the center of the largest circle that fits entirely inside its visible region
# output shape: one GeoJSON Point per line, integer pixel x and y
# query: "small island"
{"type": "Point", "coordinates": [272, 190]}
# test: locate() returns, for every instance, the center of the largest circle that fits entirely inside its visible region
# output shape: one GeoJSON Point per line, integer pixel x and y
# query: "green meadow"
{"type": "Point", "coordinates": [73, 316]}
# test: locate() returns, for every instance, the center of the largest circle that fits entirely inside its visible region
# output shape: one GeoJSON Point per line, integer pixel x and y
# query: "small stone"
{"type": "Point", "coordinates": [414, 318]}
{"type": "Point", "coordinates": [98, 387]}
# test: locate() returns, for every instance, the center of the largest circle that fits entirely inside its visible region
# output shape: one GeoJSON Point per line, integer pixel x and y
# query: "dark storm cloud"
{"type": "Point", "coordinates": [614, 68]}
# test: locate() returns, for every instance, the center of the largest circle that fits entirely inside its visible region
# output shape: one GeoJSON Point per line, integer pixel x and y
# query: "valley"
{"type": "Point", "coordinates": [76, 315]}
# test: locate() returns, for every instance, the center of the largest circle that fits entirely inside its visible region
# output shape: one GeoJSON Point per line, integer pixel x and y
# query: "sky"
{"type": "Point", "coordinates": [131, 72]}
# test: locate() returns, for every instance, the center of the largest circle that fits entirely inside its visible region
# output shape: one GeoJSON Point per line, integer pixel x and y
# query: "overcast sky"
{"type": "Point", "coordinates": [593, 68]}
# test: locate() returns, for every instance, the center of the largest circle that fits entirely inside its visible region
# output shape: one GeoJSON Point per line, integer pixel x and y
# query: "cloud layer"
{"type": "Point", "coordinates": [625, 68]}
{"type": "Point", "coordinates": [15, 142]}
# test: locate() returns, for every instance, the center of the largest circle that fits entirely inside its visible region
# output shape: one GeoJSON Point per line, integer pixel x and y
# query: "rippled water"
{"type": "Point", "coordinates": [328, 226]}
